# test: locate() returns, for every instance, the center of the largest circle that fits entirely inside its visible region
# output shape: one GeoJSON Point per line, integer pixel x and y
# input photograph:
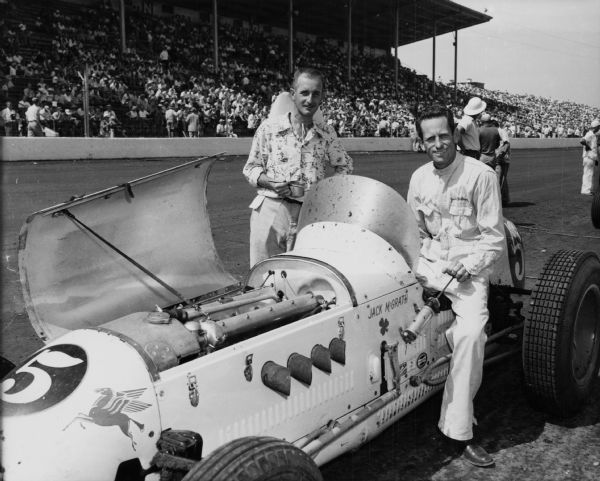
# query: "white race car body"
{"type": "Point", "coordinates": [307, 349]}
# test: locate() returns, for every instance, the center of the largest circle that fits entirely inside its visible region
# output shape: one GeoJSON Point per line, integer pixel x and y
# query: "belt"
{"type": "Point", "coordinates": [292, 201]}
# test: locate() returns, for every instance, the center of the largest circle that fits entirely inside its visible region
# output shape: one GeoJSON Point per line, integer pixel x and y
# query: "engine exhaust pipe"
{"type": "Point", "coordinates": [216, 332]}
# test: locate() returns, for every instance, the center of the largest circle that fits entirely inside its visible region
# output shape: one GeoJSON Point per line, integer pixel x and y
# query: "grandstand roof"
{"type": "Point", "coordinates": [372, 20]}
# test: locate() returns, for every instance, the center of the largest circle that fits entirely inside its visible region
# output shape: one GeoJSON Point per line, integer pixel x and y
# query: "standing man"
{"type": "Point", "coordinates": [489, 141]}
{"type": "Point", "coordinates": [170, 119]}
{"type": "Point", "coordinates": [590, 158]}
{"type": "Point", "coordinates": [9, 119]}
{"type": "Point", "coordinates": [466, 135]}
{"type": "Point", "coordinates": [34, 126]}
{"type": "Point", "coordinates": [456, 202]}
{"type": "Point", "coordinates": [192, 121]}
{"type": "Point", "coordinates": [294, 146]}
{"type": "Point", "coordinates": [503, 162]}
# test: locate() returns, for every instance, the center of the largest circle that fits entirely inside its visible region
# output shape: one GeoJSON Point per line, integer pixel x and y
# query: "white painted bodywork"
{"type": "Point", "coordinates": [165, 370]}
{"type": "Point", "coordinates": [60, 442]}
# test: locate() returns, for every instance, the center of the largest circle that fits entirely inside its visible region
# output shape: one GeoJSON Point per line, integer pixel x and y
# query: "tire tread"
{"type": "Point", "coordinates": [542, 330]}
{"type": "Point", "coordinates": [244, 459]}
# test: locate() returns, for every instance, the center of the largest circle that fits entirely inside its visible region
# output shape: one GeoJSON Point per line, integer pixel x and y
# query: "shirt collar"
{"type": "Point", "coordinates": [449, 170]}
{"type": "Point", "coordinates": [283, 123]}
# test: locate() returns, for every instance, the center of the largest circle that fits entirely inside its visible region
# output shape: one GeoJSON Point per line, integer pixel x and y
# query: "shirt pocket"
{"type": "Point", "coordinates": [461, 211]}
{"type": "Point", "coordinates": [431, 217]}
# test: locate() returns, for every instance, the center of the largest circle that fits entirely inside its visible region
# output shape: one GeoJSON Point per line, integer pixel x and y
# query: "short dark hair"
{"type": "Point", "coordinates": [310, 72]}
{"type": "Point", "coordinates": [434, 112]}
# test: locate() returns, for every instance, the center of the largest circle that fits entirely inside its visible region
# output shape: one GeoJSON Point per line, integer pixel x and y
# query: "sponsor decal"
{"type": "Point", "coordinates": [422, 360]}
{"type": "Point", "coordinates": [384, 325]}
{"type": "Point", "coordinates": [193, 393]}
{"type": "Point", "coordinates": [403, 371]}
{"type": "Point", "coordinates": [396, 302]}
{"type": "Point", "coordinates": [248, 373]}
{"type": "Point", "coordinates": [110, 410]}
{"type": "Point", "coordinates": [516, 258]}
{"type": "Point", "coordinates": [46, 379]}
{"type": "Point", "coordinates": [375, 311]}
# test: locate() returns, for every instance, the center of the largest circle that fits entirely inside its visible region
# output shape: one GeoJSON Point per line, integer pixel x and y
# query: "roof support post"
{"type": "Point", "coordinates": [433, 89]}
{"type": "Point", "coordinates": [122, 14]}
{"type": "Point", "coordinates": [396, 41]}
{"type": "Point", "coordinates": [349, 40]}
{"type": "Point", "coordinates": [291, 36]}
{"type": "Point", "coordinates": [455, 63]}
{"type": "Point", "coordinates": [216, 35]}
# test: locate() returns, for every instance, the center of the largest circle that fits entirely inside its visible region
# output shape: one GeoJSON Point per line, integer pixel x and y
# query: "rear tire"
{"type": "Point", "coordinates": [596, 210]}
{"type": "Point", "coordinates": [561, 338]}
{"type": "Point", "coordinates": [256, 459]}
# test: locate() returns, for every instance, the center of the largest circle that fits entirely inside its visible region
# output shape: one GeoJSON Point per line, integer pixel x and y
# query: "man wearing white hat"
{"type": "Point", "coordinates": [466, 134]}
{"type": "Point", "coordinates": [590, 158]}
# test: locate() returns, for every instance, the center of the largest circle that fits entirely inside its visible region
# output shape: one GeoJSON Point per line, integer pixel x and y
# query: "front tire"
{"type": "Point", "coordinates": [561, 337]}
{"type": "Point", "coordinates": [256, 459]}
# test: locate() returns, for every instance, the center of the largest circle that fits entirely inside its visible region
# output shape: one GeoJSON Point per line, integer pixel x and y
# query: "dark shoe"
{"type": "Point", "coordinates": [477, 456]}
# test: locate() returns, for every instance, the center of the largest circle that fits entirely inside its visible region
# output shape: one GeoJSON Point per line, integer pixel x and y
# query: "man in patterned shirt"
{"type": "Point", "coordinates": [292, 148]}
{"type": "Point", "coordinates": [456, 202]}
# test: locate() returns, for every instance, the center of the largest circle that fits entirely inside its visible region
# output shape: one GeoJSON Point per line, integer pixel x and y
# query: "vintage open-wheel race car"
{"type": "Point", "coordinates": [158, 364]}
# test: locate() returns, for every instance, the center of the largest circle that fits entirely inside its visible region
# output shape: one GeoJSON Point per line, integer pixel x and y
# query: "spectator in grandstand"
{"type": "Point", "coordinates": [383, 127]}
{"type": "Point", "coordinates": [110, 113]}
{"type": "Point", "coordinates": [251, 122]}
{"type": "Point", "coordinates": [10, 120]}
{"type": "Point", "coordinates": [171, 119]}
{"type": "Point", "coordinates": [164, 59]}
{"type": "Point", "coordinates": [229, 129]}
{"type": "Point", "coordinates": [466, 134]}
{"type": "Point", "coordinates": [291, 146]}
{"type": "Point", "coordinates": [192, 121]}
{"type": "Point", "coordinates": [34, 127]}
{"type": "Point", "coordinates": [133, 113]}
{"type": "Point", "coordinates": [28, 91]}
{"type": "Point", "coordinates": [220, 130]}
{"type": "Point", "coordinates": [395, 128]}
{"type": "Point", "coordinates": [69, 124]}
{"type": "Point", "coordinates": [489, 141]}
{"type": "Point", "coordinates": [590, 158]}
{"type": "Point", "coordinates": [46, 117]}
{"type": "Point", "coordinates": [451, 187]}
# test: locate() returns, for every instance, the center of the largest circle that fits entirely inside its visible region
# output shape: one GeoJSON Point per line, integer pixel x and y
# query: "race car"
{"type": "Point", "coordinates": [158, 364]}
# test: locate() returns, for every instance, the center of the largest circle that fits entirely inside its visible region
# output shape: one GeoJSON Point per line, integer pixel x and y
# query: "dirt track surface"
{"type": "Point", "coordinates": [546, 207]}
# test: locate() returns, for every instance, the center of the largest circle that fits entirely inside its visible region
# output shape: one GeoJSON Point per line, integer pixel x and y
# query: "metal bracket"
{"type": "Point", "coordinates": [392, 351]}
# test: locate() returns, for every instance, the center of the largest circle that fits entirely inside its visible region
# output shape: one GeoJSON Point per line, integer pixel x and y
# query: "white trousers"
{"type": "Point", "coordinates": [587, 179]}
{"type": "Point", "coordinates": [270, 223]}
{"type": "Point", "coordinates": [466, 338]}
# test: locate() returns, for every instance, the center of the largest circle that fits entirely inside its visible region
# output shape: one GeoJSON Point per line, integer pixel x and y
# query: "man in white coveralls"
{"type": "Point", "coordinates": [456, 202]}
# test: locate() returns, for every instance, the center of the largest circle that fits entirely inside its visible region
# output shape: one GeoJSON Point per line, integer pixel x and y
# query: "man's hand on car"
{"type": "Point", "coordinates": [458, 271]}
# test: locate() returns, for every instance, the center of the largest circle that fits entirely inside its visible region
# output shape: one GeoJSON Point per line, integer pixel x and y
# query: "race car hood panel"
{"type": "Point", "coordinates": [124, 249]}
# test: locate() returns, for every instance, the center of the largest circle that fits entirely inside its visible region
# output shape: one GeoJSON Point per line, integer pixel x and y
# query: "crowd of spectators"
{"type": "Point", "coordinates": [166, 84]}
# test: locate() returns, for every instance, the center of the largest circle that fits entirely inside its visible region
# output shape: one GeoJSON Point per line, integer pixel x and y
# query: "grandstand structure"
{"type": "Point", "coordinates": [227, 59]}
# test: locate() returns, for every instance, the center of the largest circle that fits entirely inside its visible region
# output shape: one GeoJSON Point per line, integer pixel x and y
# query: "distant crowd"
{"type": "Point", "coordinates": [167, 85]}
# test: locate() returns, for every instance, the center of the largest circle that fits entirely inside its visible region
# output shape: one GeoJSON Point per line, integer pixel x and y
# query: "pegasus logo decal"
{"type": "Point", "coordinates": [110, 410]}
